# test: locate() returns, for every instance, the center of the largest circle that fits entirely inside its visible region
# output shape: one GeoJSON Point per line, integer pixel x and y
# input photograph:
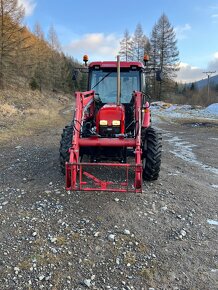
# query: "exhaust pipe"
{"type": "Point", "coordinates": [118, 81]}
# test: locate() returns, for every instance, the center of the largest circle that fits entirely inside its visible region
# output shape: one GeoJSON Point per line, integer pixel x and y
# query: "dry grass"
{"type": "Point", "coordinates": [7, 110]}
{"type": "Point", "coordinates": [23, 113]}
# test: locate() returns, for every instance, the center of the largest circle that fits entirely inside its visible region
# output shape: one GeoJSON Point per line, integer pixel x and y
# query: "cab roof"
{"type": "Point", "coordinates": [113, 64]}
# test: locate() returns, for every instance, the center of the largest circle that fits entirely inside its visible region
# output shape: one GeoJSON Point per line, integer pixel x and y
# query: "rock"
{"type": "Point", "coordinates": [54, 251]}
{"type": "Point", "coordinates": [117, 261]}
{"type": "Point", "coordinates": [53, 240]}
{"type": "Point", "coordinates": [87, 282]}
{"type": "Point", "coordinates": [18, 147]}
{"type": "Point", "coordinates": [126, 232]}
{"type": "Point", "coordinates": [16, 269]}
{"type": "Point", "coordinates": [96, 234]}
{"type": "Point", "coordinates": [34, 234]}
{"type": "Point", "coordinates": [183, 233]}
{"type": "Point", "coordinates": [111, 237]}
{"type": "Point", "coordinates": [164, 208]}
{"type": "Point", "coordinates": [116, 199]}
{"type": "Point", "coordinates": [41, 277]}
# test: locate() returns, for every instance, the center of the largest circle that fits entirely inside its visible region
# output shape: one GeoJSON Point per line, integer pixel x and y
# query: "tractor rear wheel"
{"type": "Point", "coordinates": [65, 144]}
{"type": "Point", "coordinates": [151, 155]}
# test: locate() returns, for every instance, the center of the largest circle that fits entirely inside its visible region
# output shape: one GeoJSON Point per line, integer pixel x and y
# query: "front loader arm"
{"type": "Point", "coordinates": [84, 108]}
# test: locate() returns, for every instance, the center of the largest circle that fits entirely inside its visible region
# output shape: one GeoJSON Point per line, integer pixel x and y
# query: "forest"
{"type": "Point", "coordinates": [34, 60]}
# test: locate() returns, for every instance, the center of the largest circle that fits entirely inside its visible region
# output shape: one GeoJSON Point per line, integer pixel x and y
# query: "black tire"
{"type": "Point", "coordinates": [65, 144]}
{"type": "Point", "coordinates": [151, 154]}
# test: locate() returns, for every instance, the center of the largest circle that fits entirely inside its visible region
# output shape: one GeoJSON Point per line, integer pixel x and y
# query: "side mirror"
{"type": "Point", "coordinates": [159, 76]}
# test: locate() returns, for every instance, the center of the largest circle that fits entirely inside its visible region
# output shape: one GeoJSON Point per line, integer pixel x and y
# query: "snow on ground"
{"type": "Point", "coordinates": [185, 111]}
{"type": "Point", "coordinates": [183, 150]}
{"type": "Point", "coordinates": [212, 109]}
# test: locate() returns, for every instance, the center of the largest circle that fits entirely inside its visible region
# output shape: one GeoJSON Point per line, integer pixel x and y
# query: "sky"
{"type": "Point", "coordinates": [95, 27]}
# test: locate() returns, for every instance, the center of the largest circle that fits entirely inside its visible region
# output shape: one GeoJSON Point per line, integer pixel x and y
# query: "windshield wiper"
{"type": "Point", "coordinates": [102, 79]}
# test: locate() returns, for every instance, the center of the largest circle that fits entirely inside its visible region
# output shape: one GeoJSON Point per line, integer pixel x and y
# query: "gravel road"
{"type": "Point", "coordinates": [164, 238]}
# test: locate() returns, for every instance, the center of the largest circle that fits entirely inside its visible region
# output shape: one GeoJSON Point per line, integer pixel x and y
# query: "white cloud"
{"type": "Point", "coordinates": [98, 46]}
{"type": "Point", "coordinates": [188, 73]}
{"type": "Point", "coordinates": [213, 64]}
{"type": "Point", "coordinates": [214, 16]}
{"type": "Point", "coordinates": [29, 6]}
{"type": "Point", "coordinates": [181, 31]}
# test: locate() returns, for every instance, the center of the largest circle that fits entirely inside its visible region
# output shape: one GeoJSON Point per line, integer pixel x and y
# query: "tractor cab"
{"type": "Point", "coordinates": [115, 116]}
{"type": "Point", "coordinates": [103, 80]}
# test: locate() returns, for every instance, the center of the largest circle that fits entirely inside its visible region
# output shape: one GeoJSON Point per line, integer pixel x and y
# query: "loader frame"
{"type": "Point", "coordinates": [75, 169]}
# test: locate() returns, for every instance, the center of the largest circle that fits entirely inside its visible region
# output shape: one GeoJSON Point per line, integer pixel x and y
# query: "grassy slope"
{"type": "Point", "coordinates": [24, 112]}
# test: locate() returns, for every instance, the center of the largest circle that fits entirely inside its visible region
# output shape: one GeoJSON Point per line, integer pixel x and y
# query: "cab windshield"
{"type": "Point", "coordinates": [105, 84]}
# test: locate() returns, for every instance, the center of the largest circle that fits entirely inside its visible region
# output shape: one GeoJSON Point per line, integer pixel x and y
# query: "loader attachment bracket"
{"type": "Point", "coordinates": [88, 179]}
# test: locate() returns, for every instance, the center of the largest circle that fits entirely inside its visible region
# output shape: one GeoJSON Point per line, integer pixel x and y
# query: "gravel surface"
{"type": "Point", "coordinates": [164, 238]}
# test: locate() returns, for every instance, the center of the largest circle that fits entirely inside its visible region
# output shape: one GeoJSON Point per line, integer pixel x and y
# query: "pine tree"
{"type": "Point", "coordinates": [192, 87]}
{"type": "Point", "coordinates": [164, 51]}
{"type": "Point", "coordinates": [126, 47]}
{"type": "Point", "coordinates": [11, 16]}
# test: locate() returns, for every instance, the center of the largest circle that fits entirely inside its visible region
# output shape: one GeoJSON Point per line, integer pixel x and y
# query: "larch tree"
{"type": "Point", "coordinates": [41, 59]}
{"type": "Point", "coordinates": [11, 16]}
{"type": "Point", "coordinates": [164, 52]}
{"type": "Point", "coordinates": [140, 43]}
{"type": "Point", "coordinates": [55, 60]}
{"type": "Point", "coordinates": [154, 59]}
{"type": "Point", "coordinates": [126, 47]}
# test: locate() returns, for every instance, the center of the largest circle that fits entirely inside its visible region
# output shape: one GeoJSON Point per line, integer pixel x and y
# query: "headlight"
{"type": "Point", "coordinates": [103, 122]}
{"type": "Point", "coordinates": [116, 123]}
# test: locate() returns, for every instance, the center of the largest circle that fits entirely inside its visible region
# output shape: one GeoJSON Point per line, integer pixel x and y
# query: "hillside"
{"type": "Point", "coordinates": [25, 112]}
{"type": "Point", "coordinates": [203, 83]}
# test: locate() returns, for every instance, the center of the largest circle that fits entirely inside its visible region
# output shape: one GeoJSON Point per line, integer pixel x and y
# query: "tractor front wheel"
{"type": "Point", "coordinates": [65, 144]}
{"type": "Point", "coordinates": [151, 154]}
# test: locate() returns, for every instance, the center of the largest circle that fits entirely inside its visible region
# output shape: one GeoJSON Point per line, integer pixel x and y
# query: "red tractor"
{"type": "Point", "coordinates": [111, 130]}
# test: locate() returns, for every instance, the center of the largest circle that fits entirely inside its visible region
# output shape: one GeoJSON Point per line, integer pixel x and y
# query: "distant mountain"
{"type": "Point", "coordinates": [203, 83]}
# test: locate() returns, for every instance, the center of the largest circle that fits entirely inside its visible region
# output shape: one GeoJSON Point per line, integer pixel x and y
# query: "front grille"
{"type": "Point", "coordinates": [106, 131]}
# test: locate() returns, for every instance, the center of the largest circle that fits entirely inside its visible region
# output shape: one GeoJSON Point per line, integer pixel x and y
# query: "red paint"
{"type": "Point", "coordinates": [147, 116]}
{"type": "Point", "coordinates": [111, 64]}
{"type": "Point", "coordinates": [111, 112]}
{"type": "Point", "coordinates": [107, 142]}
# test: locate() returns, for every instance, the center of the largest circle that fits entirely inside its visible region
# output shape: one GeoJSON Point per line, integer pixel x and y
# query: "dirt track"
{"type": "Point", "coordinates": [52, 239]}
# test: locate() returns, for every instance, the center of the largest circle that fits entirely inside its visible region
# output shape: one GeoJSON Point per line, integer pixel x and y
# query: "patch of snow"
{"type": "Point", "coordinates": [214, 185]}
{"type": "Point", "coordinates": [214, 270]}
{"type": "Point", "coordinates": [212, 222]}
{"type": "Point", "coordinates": [184, 111]}
{"type": "Point", "coordinates": [212, 109]}
{"type": "Point", "coordinates": [183, 150]}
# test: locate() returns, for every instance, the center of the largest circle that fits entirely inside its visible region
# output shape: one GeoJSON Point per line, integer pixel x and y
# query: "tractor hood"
{"type": "Point", "coordinates": [110, 120]}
